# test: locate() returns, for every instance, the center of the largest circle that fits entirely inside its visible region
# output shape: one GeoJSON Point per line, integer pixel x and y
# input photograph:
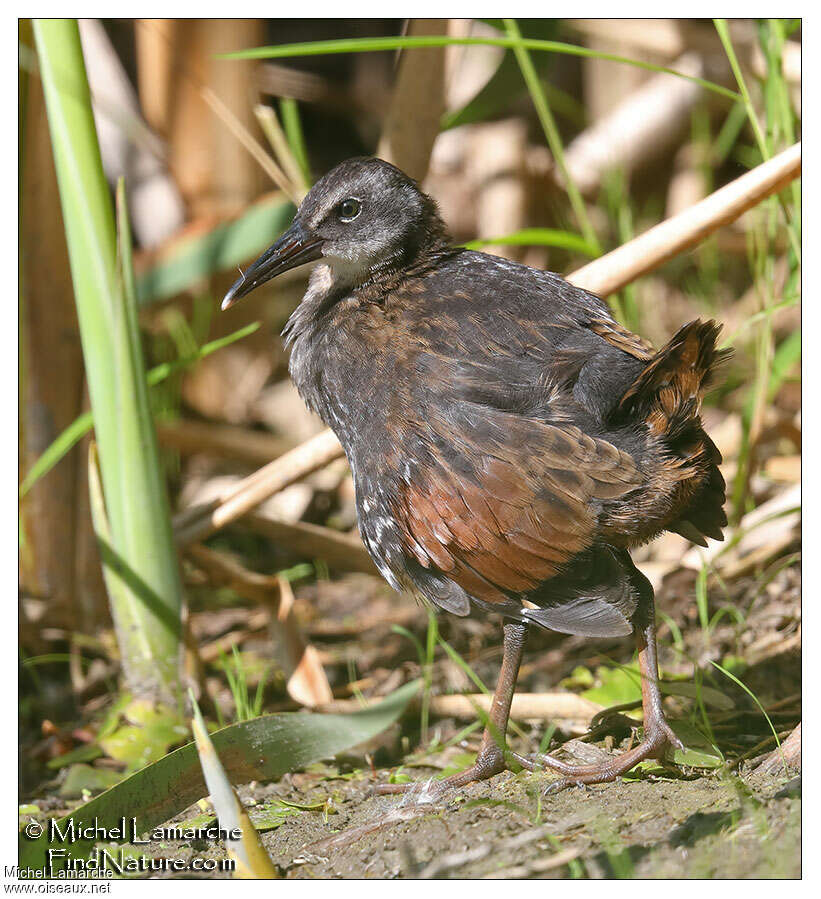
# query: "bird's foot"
{"type": "Point", "coordinates": [490, 761]}
{"type": "Point", "coordinates": [658, 738]}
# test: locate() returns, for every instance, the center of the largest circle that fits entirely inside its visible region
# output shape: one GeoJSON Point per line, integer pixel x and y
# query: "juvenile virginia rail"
{"type": "Point", "coordinates": [509, 440]}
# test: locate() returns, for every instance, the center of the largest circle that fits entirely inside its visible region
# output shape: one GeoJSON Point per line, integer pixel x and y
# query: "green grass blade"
{"type": "Point", "coordinates": [760, 138]}
{"type": "Point", "coordinates": [81, 425]}
{"type": "Point", "coordinates": [538, 237]}
{"type": "Point", "coordinates": [427, 673]}
{"type": "Point", "coordinates": [724, 35]}
{"type": "Point", "coordinates": [752, 696]}
{"type": "Point", "coordinates": [289, 110]}
{"type": "Point", "coordinates": [376, 44]}
{"type": "Point", "coordinates": [551, 132]}
{"type": "Point", "coordinates": [461, 663]}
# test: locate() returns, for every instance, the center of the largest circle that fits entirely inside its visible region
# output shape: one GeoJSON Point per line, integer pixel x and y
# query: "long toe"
{"type": "Point", "coordinates": [486, 766]}
{"type": "Point", "coordinates": [657, 740]}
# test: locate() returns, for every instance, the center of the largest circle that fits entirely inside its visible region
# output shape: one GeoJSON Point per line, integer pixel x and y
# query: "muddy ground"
{"type": "Point", "coordinates": [669, 826]}
{"type": "Point", "coordinates": [664, 822]}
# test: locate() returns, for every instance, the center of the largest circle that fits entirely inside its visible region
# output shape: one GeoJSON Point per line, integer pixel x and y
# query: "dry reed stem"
{"type": "Point", "coordinates": [315, 453]}
{"type": "Point", "coordinates": [661, 243]}
{"type": "Point", "coordinates": [542, 706]}
{"type": "Point", "coordinates": [417, 103]}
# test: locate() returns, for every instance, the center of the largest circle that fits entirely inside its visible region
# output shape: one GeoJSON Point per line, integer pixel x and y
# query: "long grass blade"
{"type": "Point", "coordinates": [551, 132]}
{"type": "Point", "coordinates": [538, 237]}
{"type": "Point", "coordinates": [81, 425]}
{"type": "Point", "coordinates": [376, 44]}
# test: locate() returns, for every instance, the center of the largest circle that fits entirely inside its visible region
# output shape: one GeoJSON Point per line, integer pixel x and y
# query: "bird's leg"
{"type": "Point", "coordinates": [491, 757]}
{"type": "Point", "coordinates": [658, 734]}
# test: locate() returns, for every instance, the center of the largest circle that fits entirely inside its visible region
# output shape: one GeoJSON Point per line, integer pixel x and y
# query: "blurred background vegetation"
{"type": "Point", "coordinates": [550, 142]}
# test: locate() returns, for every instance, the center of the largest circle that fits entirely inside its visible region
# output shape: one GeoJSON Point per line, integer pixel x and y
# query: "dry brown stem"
{"type": "Point", "coordinates": [652, 249]}
{"type": "Point", "coordinates": [194, 524]}
{"type": "Point", "coordinates": [225, 441]}
{"type": "Point", "coordinates": [306, 679]}
{"type": "Point", "coordinates": [546, 706]}
{"type": "Point", "coordinates": [417, 103]}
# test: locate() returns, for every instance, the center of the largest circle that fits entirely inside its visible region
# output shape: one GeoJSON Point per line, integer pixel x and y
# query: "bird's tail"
{"type": "Point", "coordinates": [667, 395]}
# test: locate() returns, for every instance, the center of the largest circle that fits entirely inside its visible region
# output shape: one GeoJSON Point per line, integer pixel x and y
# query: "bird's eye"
{"type": "Point", "coordinates": [349, 209]}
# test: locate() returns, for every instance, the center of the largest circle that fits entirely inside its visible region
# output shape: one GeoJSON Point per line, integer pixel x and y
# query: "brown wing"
{"type": "Point", "coordinates": [618, 336]}
{"type": "Point", "coordinates": [502, 510]}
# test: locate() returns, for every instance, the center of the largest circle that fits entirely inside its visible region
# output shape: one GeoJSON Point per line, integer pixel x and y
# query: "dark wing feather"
{"type": "Point", "coordinates": [502, 507]}
{"type": "Point", "coordinates": [595, 596]}
{"type": "Point", "coordinates": [618, 336]}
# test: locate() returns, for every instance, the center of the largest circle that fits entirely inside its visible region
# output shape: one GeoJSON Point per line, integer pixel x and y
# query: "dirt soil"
{"type": "Point", "coordinates": [745, 826]}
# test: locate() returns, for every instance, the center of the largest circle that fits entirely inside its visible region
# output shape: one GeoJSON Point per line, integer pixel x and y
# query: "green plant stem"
{"type": "Point", "coordinates": [140, 556]}
{"type": "Point", "coordinates": [754, 698]}
{"type": "Point", "coordinates": [760, 138]}
{"type": "Point", "coordinates": [289, 110]}
{"type": "Point", "coordinates": [551, 132]}
{"type": "Point", "coordinates": [430, 649]}
{"type": "Point", "coordinates": [724, 35]}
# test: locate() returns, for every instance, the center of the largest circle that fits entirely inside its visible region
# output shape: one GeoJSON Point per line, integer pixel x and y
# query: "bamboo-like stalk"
{"type": "Point", "coordinates": [139, 549]}
{"type": "Point", "coordinates": [661, 243]}
{"type": "Point", "coordinates": [604, 276]}
{"type": "Point", "coordinates": [417, 103]}
{"type": "Point", "coordinates": [567, 706]}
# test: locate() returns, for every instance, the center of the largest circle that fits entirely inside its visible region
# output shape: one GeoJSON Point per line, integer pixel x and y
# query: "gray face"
{"type": "Point", "coordinates": [363, 217]}
{"type": "Point", "coordinates": [367, 213]}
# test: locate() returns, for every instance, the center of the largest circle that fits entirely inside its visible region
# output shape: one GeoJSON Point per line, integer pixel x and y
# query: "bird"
{"type": "Point", "coordinates": [509, 441]}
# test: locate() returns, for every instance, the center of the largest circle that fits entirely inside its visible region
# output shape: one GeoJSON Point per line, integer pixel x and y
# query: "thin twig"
{"type": "Point", "coordinates": [315, 453]}
{"type": "Point", "coordinates": [253, 146]}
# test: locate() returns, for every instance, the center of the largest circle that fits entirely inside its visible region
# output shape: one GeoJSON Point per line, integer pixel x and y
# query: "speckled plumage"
{"type": "Point", "coordinates": [456, 374]}
{"type": "Point", "coordinates": [509, 440]}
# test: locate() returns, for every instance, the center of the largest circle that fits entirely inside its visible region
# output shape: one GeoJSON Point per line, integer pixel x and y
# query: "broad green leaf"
{"type": "Point", "coordinates": [273, 814]}
{"type": "Point", "coordinates": [192, 260]}
{"type": "Point", "coordinates": [698, 751]}
{"type": "Point", "coordinates": [616, 686]}
{"type": "Point", "coordinates": [82, 779]}
{"type": "Point", "coordinates": [86, 753]}
{"type": "Point", "coordinates": [152, 731]}
{"type": "Point", "coordinates": [263, 749]}
{"type": "Point", "coordinates": [623, 684]}
{"type": "Point", "coordinates": [198, 822]}
{"type": "Point", "coordinates": [709, 695]}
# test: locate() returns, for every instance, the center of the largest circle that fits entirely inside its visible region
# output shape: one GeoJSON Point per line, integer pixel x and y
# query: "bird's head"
{"type": "Point", "coordinates": [362, 218]}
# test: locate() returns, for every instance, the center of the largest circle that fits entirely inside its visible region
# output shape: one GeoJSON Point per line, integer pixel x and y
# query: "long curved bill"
{"type": "Point", "coordinates": [294, 248]}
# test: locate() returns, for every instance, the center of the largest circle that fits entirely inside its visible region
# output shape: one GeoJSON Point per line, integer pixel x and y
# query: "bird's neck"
{"type": "Point", "coordinates": [324, 344]}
